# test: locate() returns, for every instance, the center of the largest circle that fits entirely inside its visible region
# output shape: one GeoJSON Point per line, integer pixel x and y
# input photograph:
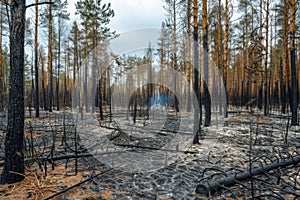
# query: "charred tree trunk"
{"type": "Point", "coordinates": [14, 155]}
{"type": "Point", "coordinates": [282, 87]}
{"type": "Point", "coordinates": [37, 92]}
{"type": "Point", "coordinates": [50, 72]}
{"type": "Point", "coordinates": [43, 80]}
{"type": "Point", "coordinates": [196, 75]}
{"type": "Point", "coordinates": [294, 93]}
{"type": "Point", "coordinates": [100, 99]}
{"type": "Point", "coordinates": [188, 64]}
{"type": "Point", "coordinates": [2, 73]}
{"type": "Point", "coordinates": [226, 55]}
{"type": "Point", "coordinates": [207, 100]}
{"type": "Point", "coordinates": [214, 186]}
{"type": "Point", "coordinates": [285, 58]}
{"type": "Point", "coordinates": [266, 100]}
{"type": "Point", "coordinates": [58, 64]}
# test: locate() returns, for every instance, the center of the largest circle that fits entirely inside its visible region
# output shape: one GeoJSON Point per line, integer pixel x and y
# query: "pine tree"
{"type": "Point", "coordinates": [59, 11]}
{"type": "Point", "coordinates": [95, 18]}
{"type": "Point", "coordinates": [14, 156]}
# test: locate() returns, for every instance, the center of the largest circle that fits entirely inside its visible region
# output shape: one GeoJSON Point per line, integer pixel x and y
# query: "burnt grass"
{"type": "Point", "coordinates": [246, 140]}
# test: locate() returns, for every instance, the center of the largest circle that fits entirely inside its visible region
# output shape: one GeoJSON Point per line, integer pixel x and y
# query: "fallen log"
{"type": "Point", "coordinates": [76, 185]}
{"type": "Point", "coordinates": [67, 156]}
{"type": "Point", "coordinates": [213, 186]}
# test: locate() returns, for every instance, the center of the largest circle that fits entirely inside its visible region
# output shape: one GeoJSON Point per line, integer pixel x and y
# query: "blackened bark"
{"type": "Point", "coordinates": [37, 96]}
{"type": "Point", "coordinates": [282, 88]}
{"type": "Point", "coordinates": [58, 65]}
{"type": "Point", "coordinates": [294, 94]}
{"type": "Point", "coordinates": [207, 188]}
{"type": "Point", "coordinates": [50, 72]}
{"type": "Point", "coordinates": [207, 100]}
{"type": "Point", "coordinates": [2, 74]}
{"type": "Point", "coordinates": [43, 81]}
{"type": "Point", "coordinates": [14, 156]}
{"type": "Point", "coordinates": [294, 108]}
{"type": "Point", "coordinates": [196, 75]}
{"type": "Point", "coordinates": [100, 100]}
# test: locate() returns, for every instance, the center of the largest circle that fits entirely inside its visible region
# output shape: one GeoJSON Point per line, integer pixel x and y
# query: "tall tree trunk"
{"type": "Point", "coordinates": [285, 57]}
{"type": "Point", "coordinates": [100, 99]}
{"type": "Point", "coordinates": [266, 102]}
{"type": "Point", "coordinates": [188, 64]}
{"type": "Point", "coordinates": [175, 103]}
{"type": "Point", "coordinates": [207, 100]}
{"type": "Point", "coordinates": [226, 55]}
{"type": "Point", "coordinates": [85, 90]}
{"type": "Point", "coordinates": [294, 94]}
{"type": "Point", "coordinates": [282, 85]}
{"type": "Point", "coordinates": [50, 72]}
{"type": "Point", "coordinates": [67, 55]}
{"type": "Point", "coordinates": [75, 64]}
{"type": "Point", "coordinates": [217, 92]}
{"type": "Point", "coordinates": [37, 98]}
{"type": "Point", "coordinates": [43, 80]}
{"type": "Point", "coordinates": [2, 73]}
{"type": "Point", "coordinates": [14, 156]}
{"type": "Point", "coordinates": [94, 73]}
{"type": "Point", "coordinates": [249, 81]}
{"type": "Point", "coordinates": [196, 75]}
{"type": "Point", "coordinates": [58, 64]}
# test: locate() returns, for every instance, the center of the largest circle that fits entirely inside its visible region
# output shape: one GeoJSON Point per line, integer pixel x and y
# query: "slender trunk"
{"type": "Point", "coordinates": [13, 170]}
{"type": "Point", "coordinates": [100, 99]}
{"type": "Point", "coordinates": [58, 64]}
{"type": "Point", "coordinates": [225, 56]}
{"type": "Point", "coordinates": [50, 72]}
{"type": "Point", "coordinates": [109, 95]}
{"type": "Point", "coordinates": [294, 94]}
{"type": "Point", "coordinates": [188, 67]}
{"type": "Point", "coordinates": [220, 62]}
{"type": "Point", "coordinates": [75, 64]}
{"type": "Point", "coordinates": [37, 96]}
{"type": "Point", "coordinates": [196, 75]}
{"type": "Point", "coordinates": [94, 74]}
{"type": "Point", "coordinates": [2, 73]}
{"type": "Point", "coordinates": [247, 95]}
{"type": "Point", "coordinates": [282, 86]}
{"type": "Point", "coordinates": [285, 57]}
{"type": "Point", "coordinates": [175, 103]}
{"type": "Point", "coordinates": [207, 100]}
{"type": "Point", "coordinates": [43, 80]}
{"type": "Point", "coordinates": [85, 92]}
{"type": "Point", "coordinates": [266, 102]}
{"type": "Point", "coordinates": [31, 101]}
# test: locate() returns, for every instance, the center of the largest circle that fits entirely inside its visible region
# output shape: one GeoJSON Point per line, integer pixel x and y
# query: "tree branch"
{"type": "Point", "coordinates": [77, 184]}
{"type": "Point", "coordinates": [41, 3]}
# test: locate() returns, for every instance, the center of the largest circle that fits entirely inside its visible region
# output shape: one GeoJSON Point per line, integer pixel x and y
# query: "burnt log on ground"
{"type": "Point", "coordinates": [216, 185]}
{"type": "Point", "coordinates": [76, 185]}
{"type": "Point", "coordinates": [67, 156]}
